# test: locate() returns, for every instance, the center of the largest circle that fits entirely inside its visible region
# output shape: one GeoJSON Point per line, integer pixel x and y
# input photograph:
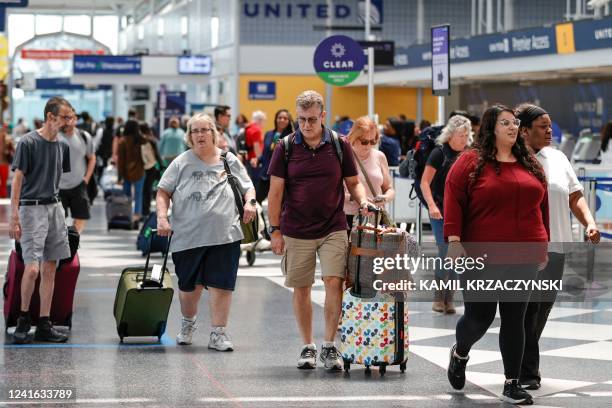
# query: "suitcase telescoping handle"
{"type": "Point", "coordinates": [376, 211]}
{"type": "Point", "coordinates": [146, 269]}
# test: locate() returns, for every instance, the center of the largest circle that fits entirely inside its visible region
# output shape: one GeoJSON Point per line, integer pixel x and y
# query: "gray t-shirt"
{"type": "Point", "coordinates": [42, 163]}
{"type": "Point", "coordinates": [79, 151]}
{"type": "Point", "coordinates": [204, 212]}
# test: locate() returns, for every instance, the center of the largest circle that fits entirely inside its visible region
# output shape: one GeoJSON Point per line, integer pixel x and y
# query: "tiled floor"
{"type": "Point", "coordinates": [576, 350]}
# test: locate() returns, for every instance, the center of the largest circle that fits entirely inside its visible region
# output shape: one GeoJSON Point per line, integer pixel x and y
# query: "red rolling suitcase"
{"type": "Point", "coordinates": [63, 295]}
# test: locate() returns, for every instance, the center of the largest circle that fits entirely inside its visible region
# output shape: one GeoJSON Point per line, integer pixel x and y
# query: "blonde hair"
{"type": "Point", "coordinates": [361, 127]}
{"type": "Point", "coordinates": [308, 99]}
{"type": "Point", "coordinates": [454, 124]}
{"type": "Point", "coordinates": [201, 117]}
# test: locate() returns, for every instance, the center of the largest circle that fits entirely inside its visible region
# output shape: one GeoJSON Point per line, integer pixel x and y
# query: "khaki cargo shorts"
{"type": "Point", "coordinates": [43, 233]}
{"type": "Point", "coordinates": [300, 258]}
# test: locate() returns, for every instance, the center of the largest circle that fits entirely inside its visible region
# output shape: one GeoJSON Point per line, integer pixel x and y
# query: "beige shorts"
{"type": "Point", "coordinates": [300, 258]}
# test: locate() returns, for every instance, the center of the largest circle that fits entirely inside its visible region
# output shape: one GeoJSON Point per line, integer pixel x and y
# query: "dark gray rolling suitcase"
{"type": "Point", "coordinates": [142, 304]}
{"type": "Point", "coordinates": [118, 210]}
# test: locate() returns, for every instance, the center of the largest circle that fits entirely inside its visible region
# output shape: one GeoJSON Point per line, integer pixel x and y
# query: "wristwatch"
{"type": "Point", "coordinates": [273, 228]}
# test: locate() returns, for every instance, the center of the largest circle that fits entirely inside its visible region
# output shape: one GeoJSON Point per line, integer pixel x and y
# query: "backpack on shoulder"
{"type": "Point", "coordinates": [288, 146]}
{"type": "Point", "coordinates": [417, 159]}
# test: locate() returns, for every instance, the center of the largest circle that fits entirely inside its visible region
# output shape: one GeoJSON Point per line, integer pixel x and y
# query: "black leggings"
{"type": "Point", "coordinates": [476, 321]}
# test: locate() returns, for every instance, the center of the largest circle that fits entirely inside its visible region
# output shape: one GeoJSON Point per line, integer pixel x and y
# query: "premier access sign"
{"type": "Point", "coordinates": [338, 60]}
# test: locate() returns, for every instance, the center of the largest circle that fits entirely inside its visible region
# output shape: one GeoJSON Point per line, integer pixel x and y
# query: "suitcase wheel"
{"type": "Point", "coordinates": [121, 340]}
{"type": "Point", "coordinates": [382, 369]}
{"type": "Point", "coordinates": [403, 367]}
{"type": "Point", "coordinates": [250, 257]}
{"type": "Point", "coordinates": [367, 370]}
{"type": "Point", "coordinates": [347, 366]}
{"type": "Point", "coordinates": [108, 226]}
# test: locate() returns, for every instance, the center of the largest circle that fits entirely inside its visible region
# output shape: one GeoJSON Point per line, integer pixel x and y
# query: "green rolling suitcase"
{"type": "Point", "coordinates": [142, 303]}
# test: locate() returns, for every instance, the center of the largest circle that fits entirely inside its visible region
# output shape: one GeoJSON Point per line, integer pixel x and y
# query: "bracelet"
{"type": "Point", "coordinates": [455, 240]}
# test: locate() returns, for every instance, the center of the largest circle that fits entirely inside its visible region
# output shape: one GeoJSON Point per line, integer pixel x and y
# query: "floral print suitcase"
{"type": "Point", "coordinates": [374, 332]}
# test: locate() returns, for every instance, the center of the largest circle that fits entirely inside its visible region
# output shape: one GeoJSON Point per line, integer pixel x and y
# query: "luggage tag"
{"type": "Point", "coordinates": [156, 273]}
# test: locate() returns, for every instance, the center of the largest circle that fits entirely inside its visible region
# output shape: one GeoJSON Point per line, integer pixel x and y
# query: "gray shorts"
{"type": "Point", "coordinates": [43, 233]}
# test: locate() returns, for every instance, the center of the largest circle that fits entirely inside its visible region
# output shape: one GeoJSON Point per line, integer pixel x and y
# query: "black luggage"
{"type": "Point", "coordinates": [118, 210]}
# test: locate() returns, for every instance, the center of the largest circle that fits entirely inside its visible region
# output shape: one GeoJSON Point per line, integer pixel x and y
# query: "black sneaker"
{"type": "Point", "coordinates": [514, 394]}
{"type": "Point", "coordinates": [330, 357]}
{"type": "Point", "coordinates": [20, 336]}
{"type": "Point", "coordinates": [46, 332]}
{"type": "Point", "coordinates": [308, 358]}
{"type": "Point", "coordinates": [456, 369]}
{"type": "Point", "coordinates": [532, 384]}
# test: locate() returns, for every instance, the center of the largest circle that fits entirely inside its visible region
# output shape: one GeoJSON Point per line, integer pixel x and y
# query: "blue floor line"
{"type": "Point", "coordinates": [166, 341]}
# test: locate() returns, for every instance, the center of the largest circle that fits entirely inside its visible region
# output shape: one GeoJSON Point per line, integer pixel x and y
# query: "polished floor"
{"type": "Point", "coordinates": [576, 350]}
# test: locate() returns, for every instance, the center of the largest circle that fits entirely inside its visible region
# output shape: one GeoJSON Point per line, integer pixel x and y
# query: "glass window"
{"type": "Point", "coordinates": [160, 27]}
{"type": "Point", "coordinates": [184, 26]}
{"type": "Point", "coordinates": [106, 30]}
{"type": "Point", "coordinates": [214, 32]}
{"type": "Point", "coordinates": [140, 32]}
{"type": "Point", "coordinates": [46, 24]}
{"type": "Point", "coordinates": [21, 27]}
{"type": "Point", "coordinates": [77, 24]}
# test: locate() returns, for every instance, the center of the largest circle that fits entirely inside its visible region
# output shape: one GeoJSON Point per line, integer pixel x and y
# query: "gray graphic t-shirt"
{"type": "Point", "coordinates": [204, 212]}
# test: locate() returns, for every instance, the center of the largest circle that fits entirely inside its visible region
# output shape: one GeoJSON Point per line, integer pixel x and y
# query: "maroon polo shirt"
{"type": "Point", "coordinates": [314, 195]}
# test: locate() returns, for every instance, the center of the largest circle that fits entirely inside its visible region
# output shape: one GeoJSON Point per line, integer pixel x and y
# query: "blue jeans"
{"type": "Point", "coordinates": [437, 226]}
{"type": "Point", "coordinates": [138, 186]}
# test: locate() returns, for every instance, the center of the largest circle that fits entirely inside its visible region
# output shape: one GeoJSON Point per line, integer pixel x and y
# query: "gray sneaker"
{"type": "Point", "coordinates": [330, 357]}
{"type": "Point", "coordinates": [308, 358]}
{"type": "Point", "coordinates": [185, 336]}
{"type": "Point", "coordinates": [220, 340]}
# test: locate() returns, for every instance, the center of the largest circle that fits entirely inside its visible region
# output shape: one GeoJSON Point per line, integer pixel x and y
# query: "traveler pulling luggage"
{"type": "Point", "coordinates": [63, 295]}
{"type": "Point", "coordinates": [147, 241]}
{"type": "Point", "coordinates": [374, 326]}
{"type": "Point", "coordinates": [143, 299]}
{"type": "Point", "coordinates": [118, 210]}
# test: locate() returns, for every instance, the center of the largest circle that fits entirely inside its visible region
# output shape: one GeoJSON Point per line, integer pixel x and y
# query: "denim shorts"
{"type": "Point", "coordinates": [214, 266]}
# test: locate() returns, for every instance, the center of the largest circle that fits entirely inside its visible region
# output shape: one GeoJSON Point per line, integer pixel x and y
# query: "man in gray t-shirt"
{"type": "Point", "coordinates": [37, 219]}
{"type": "Point", "coordinates": [73, 185]}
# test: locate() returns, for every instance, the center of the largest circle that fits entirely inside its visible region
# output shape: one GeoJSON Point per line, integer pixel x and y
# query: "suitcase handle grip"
{"type": "Point", "coordinates": [145, 282]}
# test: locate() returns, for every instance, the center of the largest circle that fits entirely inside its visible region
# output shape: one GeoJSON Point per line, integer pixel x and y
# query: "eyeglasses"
{"type": "Point", "coordinates": [311, 121]}
{"type": "Point", "coordinates": [203, 131]}
{"type": "Point", "coordinates": [368, 142]}
{"type": "Point", "coordinates": [67, 118]}
{"type": "Point", "coordinates": [507, 123]}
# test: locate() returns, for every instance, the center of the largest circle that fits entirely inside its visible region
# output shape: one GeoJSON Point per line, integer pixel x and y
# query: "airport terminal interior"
{"type": "Point", "coordinates": [408, 65]}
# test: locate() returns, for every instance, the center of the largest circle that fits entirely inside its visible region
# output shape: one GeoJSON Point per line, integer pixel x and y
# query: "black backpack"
{"type": "Point", "coordinates": [441, 174]}
{"type": "Point", "coordinates": [288, 146]}
{"type": "Point", "coordinates": [92, 186]}
{"type": "Point", "coordinates": [417, 159]}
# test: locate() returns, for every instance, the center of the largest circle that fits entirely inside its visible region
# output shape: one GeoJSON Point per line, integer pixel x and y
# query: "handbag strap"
{"type": "Point", "coordinates": [365, 175]}
{"type": "Point", "coordinates": [233, 184]}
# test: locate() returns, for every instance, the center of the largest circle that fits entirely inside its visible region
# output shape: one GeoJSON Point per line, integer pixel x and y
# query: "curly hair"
{"type": "Point", "coordinates": [487, 151]}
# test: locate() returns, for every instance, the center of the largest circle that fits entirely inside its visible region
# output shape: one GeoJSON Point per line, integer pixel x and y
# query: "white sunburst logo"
{"type": "Point", "coordinates": [338, 50]}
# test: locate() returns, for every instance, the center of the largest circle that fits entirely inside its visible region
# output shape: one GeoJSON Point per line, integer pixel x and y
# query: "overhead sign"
{"type": "Point", "coordinates": [440, 60]}
{"type": "Point", "coordinates": [64, 83]}
{"type": "Point", "coordinates": [175, 103]}
{"type": "Point", "coordinates": [56, 54]}
{"type": "Point", "coordinates": [262, 90]}
{"type": "Point", "coordinates": [338, 60]}
{"type": "Point", "coordinates": [107, 64]}
{"type": "Point", "coordinates": [593, 34]}
{"type": "Point", "coordinates": [384, 51]}
{"type": "Point", "coordinates": [194, 65]}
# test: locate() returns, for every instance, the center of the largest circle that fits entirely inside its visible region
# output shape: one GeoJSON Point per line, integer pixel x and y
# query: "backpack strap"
{"type": "Point", "coordinates": [336, 141]}
{"type": "Point", "coordinates": [288, 146]}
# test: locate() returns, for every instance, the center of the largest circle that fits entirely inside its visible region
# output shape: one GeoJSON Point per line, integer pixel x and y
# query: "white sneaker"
{"type": "Point", "coordinates": [186, 334]}
{"type": "Point", "coordinates": [263, 245]}
{"type": "Point", "coordinates": [308, 357]}
{"type": "Point", "coordinates": [220, 340]}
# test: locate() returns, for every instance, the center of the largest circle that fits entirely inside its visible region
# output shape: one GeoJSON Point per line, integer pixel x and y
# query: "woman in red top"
{"type": "Point", "coordinates": [496, 192]}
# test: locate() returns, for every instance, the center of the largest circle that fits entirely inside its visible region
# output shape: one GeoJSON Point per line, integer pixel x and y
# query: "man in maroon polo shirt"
{"type": "Point", "coordinates": [310, 188]}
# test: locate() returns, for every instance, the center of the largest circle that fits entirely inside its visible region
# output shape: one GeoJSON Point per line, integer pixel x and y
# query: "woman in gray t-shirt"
{"type": "Point", "coordinates": [207, 234]}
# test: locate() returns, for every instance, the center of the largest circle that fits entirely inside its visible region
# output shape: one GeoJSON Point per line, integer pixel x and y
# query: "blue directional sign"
{"type": "Point", "coordinates": [107, 64]}
{"type": "Point", "coordinates": [338, 60]}
{"type": "Point", "coordinates": [194, 65]}
{"type": "Point", "coordinates": [262, 90]}
{"type": "Point", "coordinates": [440, 60]}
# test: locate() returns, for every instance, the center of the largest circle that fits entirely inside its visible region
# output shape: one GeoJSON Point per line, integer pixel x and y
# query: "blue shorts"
{"type": "Point", "coordinates": [214, 266]}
